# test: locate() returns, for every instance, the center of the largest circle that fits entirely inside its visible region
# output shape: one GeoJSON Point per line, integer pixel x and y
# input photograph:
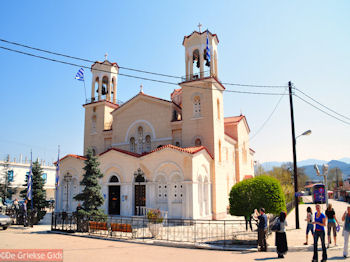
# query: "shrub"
{"type": "Point", "coordinates": [261, 191]}
{"type": "Point", "coordinates": [155, 216]}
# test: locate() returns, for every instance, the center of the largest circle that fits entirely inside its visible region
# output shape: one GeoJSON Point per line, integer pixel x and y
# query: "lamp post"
{"type": "Point", "coordinates": [67, 179]}
{"type": "Point", "coordinates": [296, 195]}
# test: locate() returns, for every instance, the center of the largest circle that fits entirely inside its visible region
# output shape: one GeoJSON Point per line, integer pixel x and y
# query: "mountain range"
{"type": "Point", "coordinates": [343, 164]}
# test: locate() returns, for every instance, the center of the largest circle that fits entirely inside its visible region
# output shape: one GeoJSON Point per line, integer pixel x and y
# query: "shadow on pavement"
{"type": "Point", "coordinates": [267, 258]}
{"type": "Point", "coordinates": [337, 258]}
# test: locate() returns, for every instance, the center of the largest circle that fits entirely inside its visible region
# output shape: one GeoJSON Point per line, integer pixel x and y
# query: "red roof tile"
{"type": "Point", "coordinates": [72, 155]}
{"type": "Point", "coordinates": [99, 62]}
{"type": "Point", "coordinates": [200, 33]}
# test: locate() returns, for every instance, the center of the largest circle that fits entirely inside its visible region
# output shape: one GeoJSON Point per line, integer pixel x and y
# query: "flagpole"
{"type": "Point", "coordinates": [31, 179]}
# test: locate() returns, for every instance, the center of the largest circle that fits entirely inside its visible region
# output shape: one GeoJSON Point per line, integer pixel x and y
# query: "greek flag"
{"type": "Point", "coordinates": [30, 182]}
{"type": "Point", "coordinates": [207, 50]}
{"type": "Point", "coordinates": [80, 75]}
{"type": "Point", "coordinates": [58, 171]}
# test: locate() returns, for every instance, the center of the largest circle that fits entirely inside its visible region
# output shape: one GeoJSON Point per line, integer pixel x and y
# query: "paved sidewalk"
{"type": "Point", "coordinates": [296, 237]}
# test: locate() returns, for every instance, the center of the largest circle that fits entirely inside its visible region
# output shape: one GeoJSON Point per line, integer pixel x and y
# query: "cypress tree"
{"type": "Point", "coordinates": [91, 196]}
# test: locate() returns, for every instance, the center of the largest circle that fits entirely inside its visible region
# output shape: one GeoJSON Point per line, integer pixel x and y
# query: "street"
{"type": "Point", "coordinates": [86, 249]}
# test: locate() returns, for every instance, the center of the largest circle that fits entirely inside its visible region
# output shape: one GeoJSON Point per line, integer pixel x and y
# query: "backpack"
{"type": "Point", "coordinates": [276, 225]}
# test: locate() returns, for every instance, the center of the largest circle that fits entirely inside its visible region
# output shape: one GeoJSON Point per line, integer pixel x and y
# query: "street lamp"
{"type": "Point", "coordinates": [67, 179]}
{"type": "Point", "coordinates": [296, 194]}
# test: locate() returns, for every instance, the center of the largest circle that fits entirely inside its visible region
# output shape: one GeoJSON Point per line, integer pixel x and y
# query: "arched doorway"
{"type": "Point", "coordinates": [114, 196]}
{"type": "Point", "coordinates": [140, 192]}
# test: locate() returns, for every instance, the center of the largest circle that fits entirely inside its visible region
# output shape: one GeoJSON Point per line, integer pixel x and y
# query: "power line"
{"type": "Point", "coordinates": [269, 117]}
{"type": "Point", "coordinates": [321, 104]}
{"type": "Point", "coordinates": [322, 110]}
{"type": "Point", "coordinates": [131, 76]}
{"type": "Point", "coordinates": [128, 68]}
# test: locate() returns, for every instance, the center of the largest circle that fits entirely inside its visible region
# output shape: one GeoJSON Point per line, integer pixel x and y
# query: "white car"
{"type": "Point", "coordinates": [5, 221]}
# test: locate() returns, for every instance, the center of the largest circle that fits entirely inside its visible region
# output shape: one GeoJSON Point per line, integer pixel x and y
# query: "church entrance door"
{"type": "Point", "coordinates": [114, 200]}
{"type": "Point", "coordinates": [140, 199]}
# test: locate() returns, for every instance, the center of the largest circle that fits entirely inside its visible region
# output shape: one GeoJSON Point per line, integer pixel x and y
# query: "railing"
{"type": "Point", "coordinates": [95, 99]}
{"type": "Point", "coordinates": [214, 232]}
{"type": "Point", "coordinates": [196, 76]}
{"type": "Point", "coordinates": [142, 211]}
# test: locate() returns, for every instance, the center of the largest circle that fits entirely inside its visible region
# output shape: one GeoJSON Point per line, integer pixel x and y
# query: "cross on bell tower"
{"type": "Point", "coordinates": [106, 54]}
{"type": "Point", "coordinates": [199, 27]}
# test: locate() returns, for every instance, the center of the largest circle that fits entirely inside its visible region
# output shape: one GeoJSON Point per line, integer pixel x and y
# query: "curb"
{"type": "Point", "coordinates": [196, 245]}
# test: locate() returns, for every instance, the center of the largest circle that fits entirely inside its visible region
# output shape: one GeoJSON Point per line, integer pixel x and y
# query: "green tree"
{"type": "Point", "coordinates": [38, 191]}
{"type": "Point", "coordinates": [5, 187]}
{"type": "Point", "coordinates": [91, 195]}
{"type": "Point", "coordinates": [262, 191]}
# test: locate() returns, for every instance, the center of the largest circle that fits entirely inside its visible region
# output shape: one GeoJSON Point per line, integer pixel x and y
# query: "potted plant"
{"type": "Point", "coordinates": [155, 220]}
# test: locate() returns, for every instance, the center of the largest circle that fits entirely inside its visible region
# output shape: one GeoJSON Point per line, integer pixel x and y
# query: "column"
{"type": "Point", "coordinates": [109, 91]}
{"type": "Point", "coordinates": [191, 66]}
{"type": "Point", "coordinates": [99, 89]}
{"type": "Point", "coordinates": [114, 90]}
{"type": "Point", "coordinates": [187, 73]}
{"type": "Point", "coordinates": [201, 62]}
{"type": "Point", "coordinates": [93, 89]}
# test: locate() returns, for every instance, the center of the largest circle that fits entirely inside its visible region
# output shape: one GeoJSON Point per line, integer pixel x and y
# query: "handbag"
{"type": "Point", "coordinates": [276, 226]}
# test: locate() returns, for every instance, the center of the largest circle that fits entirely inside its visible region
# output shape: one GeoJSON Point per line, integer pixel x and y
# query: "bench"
{"type": "Point", "coordinates": [97, 226]}
{"type": "Point", "coordinates": [126, 228]}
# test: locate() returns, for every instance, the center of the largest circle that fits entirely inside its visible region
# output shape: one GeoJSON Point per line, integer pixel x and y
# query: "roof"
{"type": "Point", "coordinates": [143, 94]}
{"type": "Point", "coordinates": [189, 150]}
{"type": "Point", "coordinates": [230, 136]}
{"type": "Point", "coordinates": [204, 78]}
{"type": "Point", "coordinates": [110, 104]}
{"type": "Point", "coordinates": [235, 120]}
{"type": "Point", "coordinates": [73, 156]}
{"type": "Point", "coordinates": [105, 62]}
{"type": "Point", "coordinates": [200, 33]}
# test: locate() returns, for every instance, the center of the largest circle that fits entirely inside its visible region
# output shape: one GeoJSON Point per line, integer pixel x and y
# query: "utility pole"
{"type": "Point", "coordinates": [294, 157]}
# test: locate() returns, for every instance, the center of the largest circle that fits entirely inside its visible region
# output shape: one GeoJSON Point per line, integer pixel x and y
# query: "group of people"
{"type": "Point", "coordinates": [316, 224]}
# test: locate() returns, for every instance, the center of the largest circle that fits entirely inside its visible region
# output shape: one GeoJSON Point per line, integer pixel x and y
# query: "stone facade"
{"type": "Point", "coordinates": [179, 155]}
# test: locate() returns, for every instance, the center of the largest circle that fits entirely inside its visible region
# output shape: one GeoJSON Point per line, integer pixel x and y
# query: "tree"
{"type": "Point", "coordinates": [6, 190]}
{"type": "Point", "coordinates": [334, 178]}
{"type": "Point", "coordinates": [91, 195]}
{"type": "Point", "coordinates": [38, 191]}
{"type": "Point", "coordinates": [262, 191]}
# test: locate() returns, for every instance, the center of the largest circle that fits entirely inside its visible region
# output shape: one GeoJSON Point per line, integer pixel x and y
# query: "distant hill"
{"type": "Point", "coordinates": [308, 166]}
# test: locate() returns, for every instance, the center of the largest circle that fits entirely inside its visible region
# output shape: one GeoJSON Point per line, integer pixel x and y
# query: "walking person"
{"type": "Point", "coordinates": [346, 231]}
{"type": "Point", "coordinates": [320, 222]}
{"type": "Point", "coordinates": [281, 237]}
{"type": "Point", "coordinates": [25, 213]}
{"type": "Point", "coordinates": [331, 224]}
{"type": "Point", "coordinates": [262, 228]}
{"type": "Point", "coordinates": [310, 225]}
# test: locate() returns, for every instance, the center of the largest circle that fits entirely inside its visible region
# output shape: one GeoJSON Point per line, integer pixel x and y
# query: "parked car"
{"type": "Point", "coordinates": [5, 221]}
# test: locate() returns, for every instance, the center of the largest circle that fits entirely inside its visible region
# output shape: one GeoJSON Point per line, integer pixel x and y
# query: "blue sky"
{"type": "Point", "coordinates": [261, 42]}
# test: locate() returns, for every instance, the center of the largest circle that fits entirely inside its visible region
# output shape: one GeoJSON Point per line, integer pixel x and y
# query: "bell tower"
{"type": "Point", "coordinates": [104, 81]}
{"type": "Point", "coordinates": [201, 54]}
{"type": "Point", "coordinates": [98, 118]}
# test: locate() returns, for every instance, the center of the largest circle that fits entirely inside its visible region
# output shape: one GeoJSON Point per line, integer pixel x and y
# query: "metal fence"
{"type": "Point", "coordinates": [215, 232]}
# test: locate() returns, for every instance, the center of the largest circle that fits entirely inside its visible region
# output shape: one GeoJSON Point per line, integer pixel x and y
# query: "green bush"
{"type": "Point", "coordinates": [261, 191]}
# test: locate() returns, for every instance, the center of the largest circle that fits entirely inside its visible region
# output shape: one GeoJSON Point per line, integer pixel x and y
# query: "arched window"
{"type": "Point", "coordinates": [197, 142]}
{"type": "Point", "coordinates": [196, 67]}
{"type": "Point", "coordinates": [219, 151]}
{"type": "Point", "coordinates": [196, 106]}
{"type": "Point", "coordinates": [132, 144]}
{"type": "Point", "coordinates": [148, 143]}
{"type": "Point", "coordinates": [104, 90]}
{"type": "Point", "coordinates": [140, 139]}
{"type": "Point", "coordinates": [218, 107]}
{"type": "Point", "coordinates": [114, 179]}
{"type": "Point", "coordinates": [97, 80]}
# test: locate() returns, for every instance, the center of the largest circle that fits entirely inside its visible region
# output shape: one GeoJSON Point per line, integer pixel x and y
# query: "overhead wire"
{"type": "Point", "coordinates": [325, 112]}
{"type": "Point", "coordinates": [132, 76]}
{"type": "Point", "coordinates": [321, 104]}
{"type": "Point", "coordinates": [128, 68]}
{"type": "Point", "coordinates": [268, 118]}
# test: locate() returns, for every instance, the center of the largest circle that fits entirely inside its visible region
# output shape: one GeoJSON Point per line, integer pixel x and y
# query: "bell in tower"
{"type": "Point", "coordinates": [201, 54]}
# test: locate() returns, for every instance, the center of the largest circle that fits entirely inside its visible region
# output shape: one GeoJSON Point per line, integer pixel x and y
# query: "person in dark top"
{"type": "Point", "coordinates": [320, 222]}
{"type": "Point", "coordinates": [281, 237]}
{"type": "Point", "coordinates": [331, 224]}
{"type": "Point", "coordinates": [262, 228]}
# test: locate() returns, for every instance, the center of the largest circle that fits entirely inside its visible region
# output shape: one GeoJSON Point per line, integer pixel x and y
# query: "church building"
{"type": "Point", "coordinates": [179, 155]}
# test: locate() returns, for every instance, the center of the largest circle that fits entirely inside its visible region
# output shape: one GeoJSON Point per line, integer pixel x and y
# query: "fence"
{"type": "Point", "coordinates": [215, 232]}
